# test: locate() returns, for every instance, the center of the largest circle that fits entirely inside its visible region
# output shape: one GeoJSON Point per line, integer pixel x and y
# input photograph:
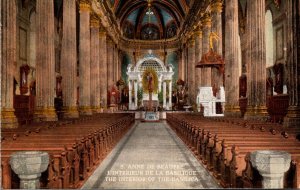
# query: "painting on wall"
{"type": "Point", "coordinates": [279, 43]}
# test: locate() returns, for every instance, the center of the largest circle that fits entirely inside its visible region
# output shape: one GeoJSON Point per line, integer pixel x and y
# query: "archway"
{"type": "Point", "coordinates": [165, 76]}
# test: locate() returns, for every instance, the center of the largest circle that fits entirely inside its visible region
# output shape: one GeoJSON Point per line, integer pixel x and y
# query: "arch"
{"type": "Point", "coordinates": [269, 39]}
{"type": "Point", "coordinates": [150, 58]}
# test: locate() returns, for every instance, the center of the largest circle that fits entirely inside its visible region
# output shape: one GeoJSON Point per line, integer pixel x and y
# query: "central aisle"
{"type": "Point", "coordinates": [150, 156]}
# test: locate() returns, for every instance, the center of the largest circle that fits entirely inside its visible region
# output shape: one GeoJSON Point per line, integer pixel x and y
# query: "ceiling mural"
{"type": "Point", "coordinates": [150, 19]}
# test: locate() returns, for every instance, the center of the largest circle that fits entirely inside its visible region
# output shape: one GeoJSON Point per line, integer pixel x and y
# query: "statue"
{"type": "Point", "coordinates": [150, 82]}
{"type": "Point", "coordinates": [150, 89]}
{"type": "Point", "coordinates": [213, 36]}
{"type": "Point", "coordinates": [278, 70]}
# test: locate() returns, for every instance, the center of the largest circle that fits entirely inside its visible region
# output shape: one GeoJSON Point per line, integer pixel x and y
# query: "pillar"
{"type": "Point", "coordinates": [216, 27]}
{"type": "Point", "coordinates": [103, 67]}
{"type": "Point", "coordinates": [116, 64]}
{"type": "Point", "coordinates": [271, 165]}
{"type": "Point", "coordinates": [135, 94]}
{"type": "Point", "coordinates": [231, 59]}
{"type": "Point", "coordinates": [84, 59]}
{"type": "Point", "coordinates": [206, 71]}
{"type": "Point", "coordinates": [130, 93]}
{"type": "Point", "coordinates": [181, 65]}
{"type": "Point", "coordinates": [198, 55]}
{"type": "Point", "coordinates": [110, 52]}
{"type": "Point", "coordinates": [69, 59]}
{"type": "Point", "coordinates": [292, 119]}
{"type": "Point", "coordinates": [170, 94]}
{"type": "Point", "coordinates": [191, 69]}
{"type": "Point", "coordinates": [164, 94]}
{"type": "Point", "coordinates": [8, 62]}
{"type": "Point", "coordinates": [45, 62]}
{"type": "Point", "coordinates": [95, 65]}
{"type": "Point", "coordinates": [256, 78]}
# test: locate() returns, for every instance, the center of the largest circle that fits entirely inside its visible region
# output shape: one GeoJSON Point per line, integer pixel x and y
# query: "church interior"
{"type": "Point", "coordinates": [150, 94]}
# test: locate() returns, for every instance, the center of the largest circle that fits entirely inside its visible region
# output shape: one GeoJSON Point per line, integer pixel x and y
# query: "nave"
{"type": "Point", "coordinates": [153, 157]}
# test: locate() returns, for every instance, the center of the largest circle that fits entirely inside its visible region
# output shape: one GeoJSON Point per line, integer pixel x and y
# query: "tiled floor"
{"type": "Point", "coordinates": [150, 156]}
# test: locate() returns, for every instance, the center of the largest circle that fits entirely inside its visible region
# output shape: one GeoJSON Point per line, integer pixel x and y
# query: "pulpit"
{"type": "Point", "coordinates": [209, 102]}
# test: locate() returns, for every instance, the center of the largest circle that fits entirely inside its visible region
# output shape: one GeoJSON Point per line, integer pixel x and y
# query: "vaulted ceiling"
{"type": "Point", "coordinates": [150, 19]}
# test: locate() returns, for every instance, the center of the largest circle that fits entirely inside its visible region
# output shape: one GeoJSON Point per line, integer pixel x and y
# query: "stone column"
{"type": "Point", "coordinates": [231, 59]}
{"type": "Point", "coordinates": [271, 165]}
{"type": "Point", "coordinates": [95, 65]}
{"type": "Point", "coordinates": [110, 51]}
{"type": "Point", "coordinates": [103, 67]}
{"type": "Point", "coordinates": [164, 94]}
{"type": "Point", "coordinates": [69, 59]}
{"type": "Point", "coordinates": [292, 118]}
{"type": "Point", "coordinates": [198, 55]}
{"type": "Point", "coordinates": [8, 62]}
{"type": "Point", "coordinates": [170, 94]}
{"type": "Point", "coordinates": [216, 27]}
{"type": "Point", "coordinates": [135, 94]}
{"type": "Point", "coordinates": [256, 78]}
{"type": "Point", "coordinates": [45, 62]}
{"type": "Point", "coordinates": [191, 70]}
{"type": "Point", "coordinates": [84, 59]}
{"type": "Point", "coordinates": [181, 65]}
{"type": "Point", "coordinates": [186, 78]}
{"type": "Point", "coordinates": [206, 72]}
{"type": "Point", "coordinates": [130, 93]}
{"type": "Point", "coordinates": [116, 64]}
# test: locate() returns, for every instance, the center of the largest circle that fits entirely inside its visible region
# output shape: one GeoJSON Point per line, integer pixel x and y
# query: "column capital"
{"type": "Point", "coordinates": [206, 20]}
{"type": "Point", "coordinates": [94, 20]}
{"type": "Point", "coordinates": [217, 6]}
{"type": "Point", "coordinates": [192, 42]}
{"type": "Point", "coordinates": [85, 5]}
{"type": "Point", "coordinates": [102, 34]}
{"type": "Point", "coordinates": [110, 41]}
{"type": "Point", "coordinates": [198, 33]}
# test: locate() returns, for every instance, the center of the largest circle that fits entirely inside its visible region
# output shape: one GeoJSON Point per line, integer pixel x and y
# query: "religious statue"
{"type": "Point", "coordinates": [213, 36]}
{"type": "Point", "coordinates": [269, 85]}
{"type": "Point", "coordinates": [150, 89]}
{"type": "Point", "coordinates": [150, 82]}
{"type": "Point", "coordinates": [278, 70]}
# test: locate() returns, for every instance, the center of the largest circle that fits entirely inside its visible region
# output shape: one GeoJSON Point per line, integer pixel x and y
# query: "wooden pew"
{"type": "Point", "coordinates": [74, 152]}
{"type": "Point", "coordinates": [216, 146]}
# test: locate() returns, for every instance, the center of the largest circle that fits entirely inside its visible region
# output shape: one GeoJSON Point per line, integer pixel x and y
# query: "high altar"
{"type": "Point", "coordinates": [164, 76]}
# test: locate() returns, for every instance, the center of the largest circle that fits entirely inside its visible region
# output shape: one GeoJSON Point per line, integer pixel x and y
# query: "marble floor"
{"type": "Point", "coordinates": [150, 156]}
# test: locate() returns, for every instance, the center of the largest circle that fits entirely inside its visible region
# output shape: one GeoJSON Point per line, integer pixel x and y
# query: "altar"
{"type": "Point", "coordinates": [164, 82]}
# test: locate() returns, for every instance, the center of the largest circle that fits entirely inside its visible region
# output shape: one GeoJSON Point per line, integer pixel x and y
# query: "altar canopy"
{"type": "Point", "coordinates": [135, 81]}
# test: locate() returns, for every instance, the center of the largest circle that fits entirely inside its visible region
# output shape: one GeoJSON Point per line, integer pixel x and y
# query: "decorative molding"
{"type": "Point", "coordinates": [94, 20]}
{"type": "Point", "coordinates": [85, 5]}
{"type": "Point", "coordinates": [217, 6]}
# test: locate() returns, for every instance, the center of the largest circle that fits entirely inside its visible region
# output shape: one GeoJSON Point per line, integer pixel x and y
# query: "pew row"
{"type": "Point", "coordinates": [223, 145]}
{"type": "Point", "coordinates": [76, 147]}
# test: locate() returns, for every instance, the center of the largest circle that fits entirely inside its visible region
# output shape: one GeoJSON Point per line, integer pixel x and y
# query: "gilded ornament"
{"type": "Point", "coordinates": [85, 5]}
{"type": "Point", "coordinates": [206, 20]}
{"type": "Point", "coordinates": [94, 21]}
{"type": "Point", "coordinates": [217, 6]}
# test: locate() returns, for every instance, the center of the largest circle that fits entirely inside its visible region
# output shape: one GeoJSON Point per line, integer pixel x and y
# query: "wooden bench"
{"type": "Point", "coordinates": [75, 148]}
{"type": "Point", "coordinates": [215, 141]}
